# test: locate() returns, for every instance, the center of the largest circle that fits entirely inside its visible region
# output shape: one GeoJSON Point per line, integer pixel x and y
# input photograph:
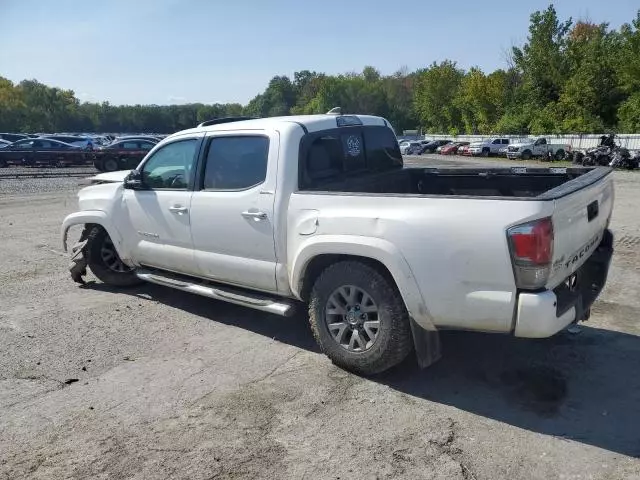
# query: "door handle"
{"type": "Point", "coordinates": [256, 215]}
{"type": "Point", "coordinates": [178, 210]}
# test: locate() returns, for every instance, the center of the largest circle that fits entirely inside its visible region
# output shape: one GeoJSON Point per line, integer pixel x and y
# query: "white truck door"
{"type": "Point", "coordinates": [232, 209]}
{"type": "Point", "coordinates": [159, 213]}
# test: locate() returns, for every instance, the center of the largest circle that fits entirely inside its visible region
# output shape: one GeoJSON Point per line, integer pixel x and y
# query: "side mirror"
{"type": "Point", "coordinates": [133, 181]}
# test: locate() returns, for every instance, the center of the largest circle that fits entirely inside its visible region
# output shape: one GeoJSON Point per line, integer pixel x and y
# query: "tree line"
{"type": "Point", "coordinates": [568, 77]}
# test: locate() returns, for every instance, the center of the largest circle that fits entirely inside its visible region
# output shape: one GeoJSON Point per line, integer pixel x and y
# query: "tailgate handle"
{"type": "Point", "coordinates": [592, 210]}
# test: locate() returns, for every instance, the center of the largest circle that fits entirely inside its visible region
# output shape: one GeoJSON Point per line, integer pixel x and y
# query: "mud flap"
{"type": "Point", "coordinates": [78, 265]}
{"type": "Point", "coordinates": [427, 345]}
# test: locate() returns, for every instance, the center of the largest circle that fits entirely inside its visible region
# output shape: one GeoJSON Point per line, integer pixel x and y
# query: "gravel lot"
{"type": "Point", "coordinates": [155, 383]}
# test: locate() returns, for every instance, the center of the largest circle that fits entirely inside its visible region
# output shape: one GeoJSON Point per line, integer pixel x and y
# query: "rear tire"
{"type": "Point", "coordinates": [111, 164]}
{"type": "Point", "coordinates": [559, 155]}
{"type": "Point", "coordinates": [104, 261]}
{"type": "Point", "coordinates": [99, 164]}
{"type": "Point", "coordinates": [343, 325]}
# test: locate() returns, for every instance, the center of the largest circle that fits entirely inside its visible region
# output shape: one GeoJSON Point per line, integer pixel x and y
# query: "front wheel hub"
{"type": "Point", "coordinates": [111, 259]}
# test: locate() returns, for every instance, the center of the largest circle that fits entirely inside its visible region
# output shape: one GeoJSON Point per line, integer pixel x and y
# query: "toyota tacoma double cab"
{"type": "Point", "coordinates": [318, 212]}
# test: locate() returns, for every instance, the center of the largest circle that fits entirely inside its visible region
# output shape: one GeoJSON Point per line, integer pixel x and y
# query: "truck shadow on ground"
{"type": "Point", "coordinates": [583, 387]}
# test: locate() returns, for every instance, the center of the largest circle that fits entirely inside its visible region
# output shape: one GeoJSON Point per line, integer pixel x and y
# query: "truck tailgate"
{"type": "Point", "coordinates": [582, 209]}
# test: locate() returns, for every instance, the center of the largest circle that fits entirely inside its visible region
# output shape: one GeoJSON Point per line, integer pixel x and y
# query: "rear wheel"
{"type": "Point", "coordinates": [359, 318]}
{"type": "Point", "coordinates": [559, 155]}
{"type": "Point", "coordinates": [99, 164]}
{"type": "Point", "coordinates": [110, 164]}
{"type": "Point", "coordinates": [104, 261]}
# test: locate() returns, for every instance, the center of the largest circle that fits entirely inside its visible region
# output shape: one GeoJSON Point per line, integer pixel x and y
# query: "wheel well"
{"type": "Point", "coordinates": [319, 263]}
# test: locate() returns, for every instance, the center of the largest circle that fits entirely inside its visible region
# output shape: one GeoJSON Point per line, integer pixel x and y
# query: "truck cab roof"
{"type": "Point", "coordinates": [309, 123]}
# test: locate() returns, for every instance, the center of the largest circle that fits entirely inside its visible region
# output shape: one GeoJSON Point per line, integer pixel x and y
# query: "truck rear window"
{"type": "Point", "coordinates": [328, 155]}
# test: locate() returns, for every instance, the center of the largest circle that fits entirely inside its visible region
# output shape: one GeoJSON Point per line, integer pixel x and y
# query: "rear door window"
{"type": "Point", "coordinates": [236, 163]}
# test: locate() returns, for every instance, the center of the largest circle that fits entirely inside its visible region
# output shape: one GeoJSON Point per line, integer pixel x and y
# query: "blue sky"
{"type": "Point", "coordinates": [178, 51]}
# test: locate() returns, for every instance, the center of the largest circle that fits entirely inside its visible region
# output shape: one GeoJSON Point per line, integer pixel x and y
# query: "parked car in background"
{"type": "Point", "coordinates": [123, 154]}
{"type": "Point", "coordinates": [87, 143]}
{"type": "Point", "coordinates": [100, 140]}
{"type": "Point", "coordinates": [411, 148]}
{"type": "Point", "coordinates": [537, 147]}
{"type": "Point", "coordinates": [13, 137]}
{"type": "Point", "coordinates": [148, 138]}
{"type": "Point", "coordinates": [433, 145]}
{"type": "Point", "coordinates": [463, 150]}
{"type": "Point", "coordinates": [43, 152]}
{"type": "Point", "coordinates": [452, 148]}
{"type": "Point", "coordinates": [439, 149]}
{"type": "Point", "coordinates": [490, 146]}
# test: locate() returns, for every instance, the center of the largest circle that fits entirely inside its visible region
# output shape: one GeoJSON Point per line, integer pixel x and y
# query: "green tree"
{"type": "Point", "coordinates": [481, 100]}
{"type": "Point", "coordinates": [436, 88]}
{"type": "Point", "coordinates": [591, 95]}
{"type": "Point", "coordinates": [11, 107]}
{"type": "Point", "coordinates": [542, 60]}
{"type": "Point", "coordinates": [398, 90]}
{"type": "Point", "coordinates": [629, 76]}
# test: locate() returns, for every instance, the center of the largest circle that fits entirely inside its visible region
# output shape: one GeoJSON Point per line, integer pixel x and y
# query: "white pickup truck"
{"type": "Point", "coordinates": [277, 213]}
{"type": "Point", "coordinates": [537, 147]}
{"type": "Point", "coordinates": [489, 146]}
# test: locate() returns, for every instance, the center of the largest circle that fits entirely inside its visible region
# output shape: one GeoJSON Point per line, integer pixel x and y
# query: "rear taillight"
{"type": "Point", "coordinates": [531, 246]}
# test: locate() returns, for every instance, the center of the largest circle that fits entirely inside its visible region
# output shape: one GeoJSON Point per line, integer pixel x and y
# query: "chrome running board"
{"type": "Point", "coordinates": [236, 296]}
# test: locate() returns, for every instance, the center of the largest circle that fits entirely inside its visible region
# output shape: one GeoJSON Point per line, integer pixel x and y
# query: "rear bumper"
{"type": "Point", "coordinates": [545, 313]}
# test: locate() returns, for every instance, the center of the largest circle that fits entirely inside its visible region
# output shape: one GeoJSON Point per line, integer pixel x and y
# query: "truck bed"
{"type": "Point", "coordinates": [514, 182]}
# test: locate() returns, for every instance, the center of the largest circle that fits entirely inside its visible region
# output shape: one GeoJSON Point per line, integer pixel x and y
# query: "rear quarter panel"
{"type": "Point", "coordinates": [455, 248]}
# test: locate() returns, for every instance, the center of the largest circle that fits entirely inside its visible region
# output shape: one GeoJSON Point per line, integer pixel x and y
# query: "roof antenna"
{"type": "Point", "coordinates": [335, 111]}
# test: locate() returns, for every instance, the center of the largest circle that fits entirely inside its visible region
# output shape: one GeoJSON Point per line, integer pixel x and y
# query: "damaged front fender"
{"type": "Point", "coordinates": [92, 217]}
{"type": "Point", "coordinates": [87, 218]}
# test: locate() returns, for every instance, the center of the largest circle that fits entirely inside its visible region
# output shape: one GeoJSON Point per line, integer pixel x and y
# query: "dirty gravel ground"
{"type": "Point", "coordinates": [154, 383]}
